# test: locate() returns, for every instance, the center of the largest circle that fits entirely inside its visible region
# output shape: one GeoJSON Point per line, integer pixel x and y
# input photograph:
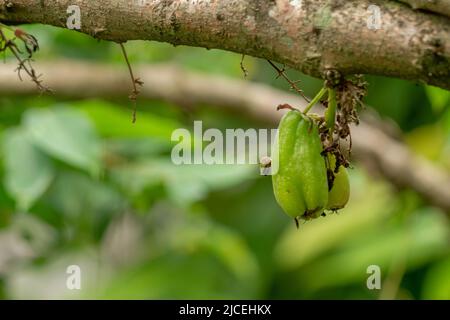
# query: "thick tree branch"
{"type": "Point", "coordinates": [309, 35]}
{"type": "Point", "coordinates": [371, 143]}
{"type": "Point", "coordinates": [437, 6]}
{"type": "Point", "coordinates": [401, 166]}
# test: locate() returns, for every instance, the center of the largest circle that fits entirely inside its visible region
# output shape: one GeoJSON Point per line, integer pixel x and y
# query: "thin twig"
{"type": "Point", "coordinates": [293, 84]}
{"type": "Point", "coordinates": [11, 45]}
{"type": "Point", "coordinates": [136, 82]}
{"type": "Point", "coordinates": [243, 68]}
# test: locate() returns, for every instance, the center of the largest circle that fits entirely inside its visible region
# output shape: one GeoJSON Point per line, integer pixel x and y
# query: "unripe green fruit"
{"type": "Point", "coordinates": [340, 192]}
{"type": "Point", "coordinates": [300, 185]}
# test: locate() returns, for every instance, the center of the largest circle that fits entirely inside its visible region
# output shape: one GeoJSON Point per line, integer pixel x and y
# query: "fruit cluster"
{"type": "Point", "coordinates": [312, 173]}
{"type": "Point", "coordinates": [301, 185]}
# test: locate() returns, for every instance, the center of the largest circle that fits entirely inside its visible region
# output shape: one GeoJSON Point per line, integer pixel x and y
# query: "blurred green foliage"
{"type": "Point", "coordinates": [84, 186]}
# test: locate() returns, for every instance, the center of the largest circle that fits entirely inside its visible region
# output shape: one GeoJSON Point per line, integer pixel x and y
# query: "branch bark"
{"type": "Point", "coordinates": [437, 6]}
{"type": "Point", "coordinates": [309, 35]}
{"type": "Point", "coordinates": [371, 142]}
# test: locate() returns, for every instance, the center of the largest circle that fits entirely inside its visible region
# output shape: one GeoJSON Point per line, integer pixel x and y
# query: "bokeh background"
{"type": "Point", "coordinates": [81, 185]}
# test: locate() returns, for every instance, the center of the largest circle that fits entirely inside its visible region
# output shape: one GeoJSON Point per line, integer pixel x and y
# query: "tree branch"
{"type": "Point", "coordinates": [437, 6]}
{"type": "Point", "coordinates": [168, 82]}
{"type": "Point", "coordinates": [309, 35]}
{"type": "Point", "coordinates": [404, 169]}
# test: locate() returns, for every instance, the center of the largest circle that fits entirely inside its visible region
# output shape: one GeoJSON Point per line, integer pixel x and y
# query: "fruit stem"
{"type": "Point", "coordinates": [331, 110]}
{"type": "Point", "coordinates": [315, 100]}
{"type": "Point", "coordinates": [6, 27]}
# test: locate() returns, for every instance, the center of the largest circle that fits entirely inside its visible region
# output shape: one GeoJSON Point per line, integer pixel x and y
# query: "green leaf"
{"type": "Point", "coordinates": [173, 275]}
{"type": "Point", "coordinates": [439, 98]}
{"type": "Point", "coordinates": [446, 122]}
{"type": "Point", "coordinates": [86, 199]}
{"type": "Point", "coordinates": [232, 250]}
{"type": "Point", "coordinates": [111, 121]}
{"type": "Point", "coordinates": [65, 134]}
{"type": "Point", "coordinates": [28, 170]}
{"type": "Point", "coordinates": [190, 183]}
{"type": "Point", "coordinates": [420, 240]}
{"type": "Point", "coordinates": [437, 282]}
{"type": "Point", "coordinates": [185, 184]}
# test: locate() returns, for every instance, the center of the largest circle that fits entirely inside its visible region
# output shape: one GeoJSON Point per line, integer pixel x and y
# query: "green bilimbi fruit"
{"type": "Point", "coordinates": [340, 191]}
{"type": "Point", "coordinates": [300, 184]}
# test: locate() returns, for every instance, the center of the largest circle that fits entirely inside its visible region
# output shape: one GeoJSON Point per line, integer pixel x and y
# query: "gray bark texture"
{"type": "Point", "coordinates": [437, 6]}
